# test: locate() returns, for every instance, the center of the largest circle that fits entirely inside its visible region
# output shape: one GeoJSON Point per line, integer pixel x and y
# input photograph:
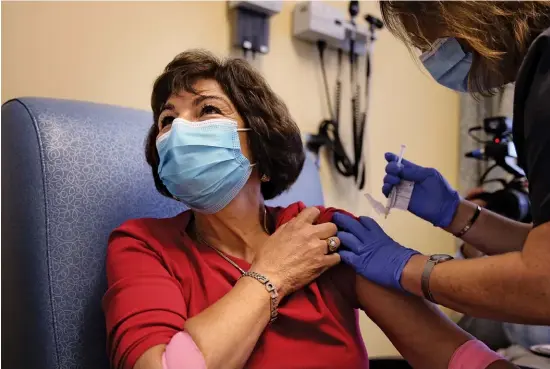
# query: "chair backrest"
{"type": "Point", "coordinates": [71, 173]}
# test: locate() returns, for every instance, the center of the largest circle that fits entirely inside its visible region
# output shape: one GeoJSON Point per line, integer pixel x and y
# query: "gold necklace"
{"type": "Point", "coordinates": [203, 241]}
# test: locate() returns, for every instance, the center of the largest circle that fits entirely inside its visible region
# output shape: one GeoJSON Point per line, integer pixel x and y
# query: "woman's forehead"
{"type": "Point", "coordinates": [203, 87]}
{"type": "Point", "coordinates": [207, 86]}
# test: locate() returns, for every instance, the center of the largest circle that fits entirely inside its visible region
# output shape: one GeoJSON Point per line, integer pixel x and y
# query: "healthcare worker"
{"type": "Point", "coordinates": [472, 46]}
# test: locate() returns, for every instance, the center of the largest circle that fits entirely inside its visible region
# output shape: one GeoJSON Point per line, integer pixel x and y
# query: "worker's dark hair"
{"type": "Point", "coordinates": [498, 33]}
{"type": "Point", "coordinates": [274, 141]}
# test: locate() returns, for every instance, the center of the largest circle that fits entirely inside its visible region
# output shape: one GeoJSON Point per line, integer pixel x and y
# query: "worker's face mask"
{"type": "Point", "coordinates": [448, 64]}
{"type": "Point", "coordinates": [201, 163]}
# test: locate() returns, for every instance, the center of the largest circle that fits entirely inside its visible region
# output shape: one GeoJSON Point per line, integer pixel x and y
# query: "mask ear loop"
{"type": "Point", "coordinates": [264, 178]}
{"type": "Point", "coordinates": [246, 130]}
{"type": "Point", "coordinates": [162, 137]}
{"type": "Point", "coordinates": [436, 46]}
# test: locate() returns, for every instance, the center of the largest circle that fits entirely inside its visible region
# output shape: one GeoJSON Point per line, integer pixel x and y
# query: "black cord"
{"type": "Point", "coordinates": [328, 134]}
{"type": "Point", "coordinates": [321, 46]}
{"type": "Point", "coordinates": [338, 97]}
{"type": "Point", "coordinates": [359, 164]}
{"type": "Point", "coordinates": [354, 100]}
{"type": "Point", "coordinates": [361, 169]}
{"type": "Point", "coordinates": [475, 138]}
{"type": "Point", "coordinates": [484, 175]}
{"type": "Point", "coordinates": [343, 163]}
{"type": "Point", "coordinates": [351, 58]}
{"type": "Point", "coordinates": [361, 122]}
{"type": "Point", "coordinates": [375, 24]}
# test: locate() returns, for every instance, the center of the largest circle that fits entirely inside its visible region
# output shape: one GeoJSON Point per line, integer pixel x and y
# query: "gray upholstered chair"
{"type": "Point", "coordinates": [72, 172]}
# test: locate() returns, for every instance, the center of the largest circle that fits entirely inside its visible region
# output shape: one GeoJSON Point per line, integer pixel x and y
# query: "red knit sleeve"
{"type": "Point", "coordinates": [342, 275]}
{"type": "Point", "coordinates": [144, 305]}
{"type": "Point", "coordinates": [345, 278]}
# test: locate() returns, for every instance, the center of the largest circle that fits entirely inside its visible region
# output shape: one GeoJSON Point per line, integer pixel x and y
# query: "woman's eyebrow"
{"type": "Point", "coordinates": [202, 98]}
{"type": "Point", "coordinates": [167, 106]}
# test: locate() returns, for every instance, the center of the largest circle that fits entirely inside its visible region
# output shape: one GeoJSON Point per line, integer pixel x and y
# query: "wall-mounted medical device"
{"type": "Point", "coordinates": [328, 27]}
{"type": "Point", "coordinates": [315, 20]}
{"type": "Point", "coordinates": [250, 20]}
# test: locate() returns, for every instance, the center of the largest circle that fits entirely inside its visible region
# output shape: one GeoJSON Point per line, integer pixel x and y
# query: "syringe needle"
{"type": "Point", "coordinates": [401, 153]}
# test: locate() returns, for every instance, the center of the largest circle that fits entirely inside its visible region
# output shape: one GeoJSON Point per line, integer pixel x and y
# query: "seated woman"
{"type": "Point", "coordinates": [232, 283]}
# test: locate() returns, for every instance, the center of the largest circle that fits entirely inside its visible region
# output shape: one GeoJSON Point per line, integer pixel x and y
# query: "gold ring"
{"type": "Point", "coordinates": [332, 243]}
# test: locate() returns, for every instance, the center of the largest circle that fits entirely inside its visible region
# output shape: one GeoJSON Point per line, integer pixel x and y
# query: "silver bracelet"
{"type": "Point", "coordinates": [270, 287]}
{"type": "Point", "coordinates": [470, 223]}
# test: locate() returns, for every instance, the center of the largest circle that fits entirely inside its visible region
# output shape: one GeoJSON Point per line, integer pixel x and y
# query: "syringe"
{"type": "Point", "coordinates": [401, 153]}
{"type": "Point", "coordinates": [393, 194]}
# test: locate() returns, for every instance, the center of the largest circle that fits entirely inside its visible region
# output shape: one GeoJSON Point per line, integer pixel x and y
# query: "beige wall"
{"type": "Point", "coordinates": [110, 52]}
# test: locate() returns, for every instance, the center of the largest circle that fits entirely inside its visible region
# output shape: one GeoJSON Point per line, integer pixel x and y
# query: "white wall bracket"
{"type": "Point", "coordinates": [317, 21]}
{"type": "Point", "coordinates": [251, 23]}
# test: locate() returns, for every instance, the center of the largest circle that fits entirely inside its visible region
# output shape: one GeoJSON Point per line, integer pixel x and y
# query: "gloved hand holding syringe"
{"type": "Point", "coordinates": [393, 194]}
{"type": "Point", "coordinates": [399, 196]}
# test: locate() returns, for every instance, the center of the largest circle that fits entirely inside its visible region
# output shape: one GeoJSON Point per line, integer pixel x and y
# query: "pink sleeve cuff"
{"type": "Point", "coordinates": [473, 354]}
{"type": "Point", "coordinates": [182, 353]}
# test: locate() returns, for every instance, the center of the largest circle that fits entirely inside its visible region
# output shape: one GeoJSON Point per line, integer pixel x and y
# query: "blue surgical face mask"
{"type": "Point", "coordinates": [201, 163]}
{"type": "Point", "coordinates": [448, 64]}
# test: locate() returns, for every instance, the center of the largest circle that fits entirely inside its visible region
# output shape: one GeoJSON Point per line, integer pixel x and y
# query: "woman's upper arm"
{"type": "Point", "coordinates": [413, 325]}
{"type": "Point", "coordinates": [343, 275]}
{"type": "Point", "coordinates": [144, 306]}
{"type": "Point", "coordinates": [151, 359]}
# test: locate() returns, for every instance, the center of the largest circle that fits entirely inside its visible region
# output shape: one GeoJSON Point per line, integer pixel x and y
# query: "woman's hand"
{"type": "Point", "coordinates": [227, 331]}
{"type": "Point", "coordinates": [297, 252]}
{"type": "Point", "coordinates": [370, 251]}
{"type": "Point", "coordinates": [433, 199]}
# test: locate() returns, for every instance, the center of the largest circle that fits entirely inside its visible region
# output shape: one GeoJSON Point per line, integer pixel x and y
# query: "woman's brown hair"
{"type": "Point", "coordinates": [274, 140]}
{"type": "Point", "coordinates": [498, 33]}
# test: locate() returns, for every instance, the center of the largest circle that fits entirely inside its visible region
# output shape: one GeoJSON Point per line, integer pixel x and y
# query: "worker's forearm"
{"type": "Point", "coordinates": [511, 287]}
{"type": "Point", "coordinates": [227, 331]}
{"type": "Point", "coordinates": [412, 325]}
{"type": "Point", "coordinates": [502, 364]}
{"type": "Point", "coordinates": [491, 233]}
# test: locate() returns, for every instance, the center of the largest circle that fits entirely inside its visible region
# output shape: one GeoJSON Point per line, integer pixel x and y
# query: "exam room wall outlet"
{"type": "Point", "coordinates": [250, 24]}
{"type": "Point", "coordinates": [316, 20]}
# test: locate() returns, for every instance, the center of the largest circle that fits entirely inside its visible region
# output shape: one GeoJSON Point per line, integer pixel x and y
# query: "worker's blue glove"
{"type": "Point", "coordinates": [432, 199]}
{"type": "Point", "coordinates": [370, 251]}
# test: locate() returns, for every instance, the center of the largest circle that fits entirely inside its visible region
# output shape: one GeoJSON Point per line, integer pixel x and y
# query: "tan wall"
{"type": "Point", "coordinates": [110, 52]}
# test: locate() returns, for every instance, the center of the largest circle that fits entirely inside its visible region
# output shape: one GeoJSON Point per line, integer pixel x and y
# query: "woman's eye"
{"type": "Point", "coordinates": [210, 109]}
{"type": "Point", "coordinates": [166, 121]}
